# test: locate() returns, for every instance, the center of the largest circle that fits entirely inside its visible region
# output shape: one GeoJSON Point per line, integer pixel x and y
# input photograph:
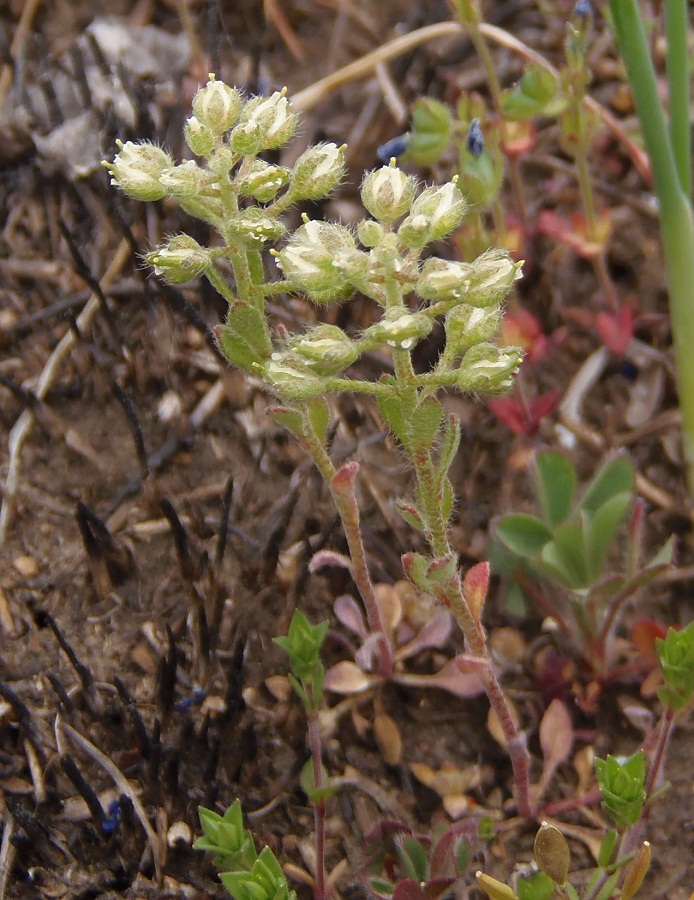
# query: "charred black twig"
{"type": "Point", "coordinates": [154, 761]}
{"type": "Point", "coordinates": [274, 543]}
{"type": "Point", "coordinates": [36, 832]}
{"type": "Point", "coordinates": [101, 546]}
{"type": "Point", "coordinates": [223, 523]}
{"type": "Point", "coordinates": [166, 679]}
{"type": "Point", "coordinates": [141, 735]}
{"type": "Point", "coordinates": [85, 790]}
{"type": "Point", "coordinates": [188, 566]}
{"type": "Point", "coordinates": [135, 428]}
{"type": "Point", "coordinates": [233, 699]}
{"type": "Point", "coordinates": [25, 719]}
{"type": "Point", "coordinates": [91, 695]}
{"type": "Point", "coordinates": [85, 273]}
{"type": "Point", "coordinates": [61, 693]}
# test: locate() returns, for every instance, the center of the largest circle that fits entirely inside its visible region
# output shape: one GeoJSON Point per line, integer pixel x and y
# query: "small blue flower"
{"type": "Point", "coordinates": [112, 819]}
{"type": "Point", "coordinates": [475, 138]}
{"type": "Point", "coordinates": [582, 10]}
{"type": "Point", "coordinates": [393, 148]}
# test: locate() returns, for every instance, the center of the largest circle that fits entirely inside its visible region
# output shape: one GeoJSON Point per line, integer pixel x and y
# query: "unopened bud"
{"type": "Point", "coordinates": [398, 328]}
{"type": "Point", "coordinates": [180, 260]}
{"type": "Point", "coordinates": [273, 117]}
{"type": "Point", "coordinates": [370, 232]}
{"type": "Point", "coordinates": [486, 369]}
{"type": "Point", "coordinates": [185, 181]}
{"type": "Point", "coordinates": [245, 138]}
{"type": "Point", "coordinates": [388, 193]}
{"type": "Point", "coordinates": [307, 260]}
{"type": "Point", "coordinates": [263, 181]}
{"type": "Point", "coordinates": [253, 226]}
{"type": "Point", "coordinates": [217, 106]}
{"type": "Point", "coordinates": [439, 209]}
{"type": "Point", "coordinates": [469, 325]}
{"type": "Point", "coordinates": [200, 138]}
{"type": "Point", "coordinates": [318, 171]}
{"type": "Point", "coordinates": [137, 168]}
{"type": "Point", "coordinates": [293, 383]}
{"type": "Point", "coordinates": [326, 350]}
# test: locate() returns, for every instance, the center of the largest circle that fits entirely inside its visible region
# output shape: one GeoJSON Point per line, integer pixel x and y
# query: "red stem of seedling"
{"type": "Point", "coordinates": [319, 888]}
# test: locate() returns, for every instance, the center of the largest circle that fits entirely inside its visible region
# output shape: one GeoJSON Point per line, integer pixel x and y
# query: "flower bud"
{"type": "Point", "coordinates": [398, 328]}
{"type": "Point", "coordinates": [136, 170]}
{"type": "Point", "coordinates": [180, 259]}
{"type": "Point", "coordinates": [326, 350]}
{"type": "Point", "coordinates": [307, 260]}
{"type": "Point", "coordinates": [388, 193]}
{"type": "Point", "coordinates": [217, 106]}
{"type": "Point", "coordinates": [273, 117]}
{"type": "Point", "coordinates": [370, 232]}
{"type": "Point", "coordinates": [254, 227]}
{"type": "Point", "coordinates": [200, 138]}
{"type": "Point", "coordinates": [263, 181]}
{"type": "Point", "coordinates": [443, 280]}
{"type": "Point", "coordinates": [245, 139]}
{"type": "Point", "coordinates": [185, 181]}
{"type": "Point", "coordinates": [293, 383]}
{"type": "Point", "coordinates": [442, 208]}
{"type": "Point", "coordinates": [483, 283]}
{"type": "Point", "coordinates": [486, 369]}
{"type": "Point", "coordinates": [318, 171]}
{"type": "Point", "coordinates": [469, 325]}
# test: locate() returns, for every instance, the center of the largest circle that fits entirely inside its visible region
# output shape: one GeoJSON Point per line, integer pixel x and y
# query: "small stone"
{"type": "Point", "coordinates": [26, 566]}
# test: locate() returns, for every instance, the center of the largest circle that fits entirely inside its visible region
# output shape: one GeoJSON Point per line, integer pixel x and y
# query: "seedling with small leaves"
{"type": "Point", "coordinates": [246, 874]}
{"type": "Point", "coordinates": [571, 544]}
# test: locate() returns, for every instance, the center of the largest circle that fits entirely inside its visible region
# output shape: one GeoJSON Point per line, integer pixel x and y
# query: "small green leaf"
{"type": "Point", "coordinates": [411, 514]}
{"type": "Point", "coordinates": [599, 530]}
{"type": "Point", "coordinates": [450, 441]}
{"type": "Point", "coordinates": [536, 887]}
{"type": "Point", "coordinates": [555, 480]}
{"type": "Point", "coordinates": [431, 131]}
{"type": "Point", "coordinates": [566, 554]}
{"type": "Point", "coordinates": [424, 423]}
{"type": "Point", "coordinates": [616, 477]}
{"type": "Point", "coordinates": [308, 785]}
{"type": "Point", "coordinates": [291, 419]}
{"type": "Point", "coordinates": [607, 846]}
{"type": "Point", "coordinates": [391, 408]}
{"type": "Point", "coordinates": [413, 858]}
{"type": "Point", "coordinates": [536, 94]}
{"type": "Point", "coordinates": [622, 787]}
{"type": "Point", "coordinates": [319, 416]}
{"type": "Point", "coordinates": [522, 534]}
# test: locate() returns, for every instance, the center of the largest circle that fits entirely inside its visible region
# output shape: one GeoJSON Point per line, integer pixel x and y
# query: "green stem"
{"type": "Point", "coordinates": [674, 206]}
{"type": "Point", "coordinates": [678, 76]}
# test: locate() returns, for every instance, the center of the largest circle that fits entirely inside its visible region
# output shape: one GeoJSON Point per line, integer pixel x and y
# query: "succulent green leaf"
{"type": "Point", "coordinates": [536, 94]}
{"type": "Point", "coordinates": [616, 477]}
{"type": "Point", "coordinates": [676, 656]}
{"type": "Point", "coordinates": [555, 481]}
{"type": "Point", "coordinates": [523, 534]}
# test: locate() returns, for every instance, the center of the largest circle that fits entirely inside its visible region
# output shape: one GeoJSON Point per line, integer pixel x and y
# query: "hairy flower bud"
{"type": "Point", "coordinates": [398, 328]}
{"type": "Point", "coordinates": [254, 227]}
{"type": "Point", "coordinates": [485, 282]}
{"type": "Point", "coordinates": [326, 350]}
{"type": "Point", "coordinates": [245, 139]}
{"type": "Point", "coordinates": [263, 181]}
{"type": "Point", "coordinates": [293, 382]}
{"type": "Point", "coordinates": [217, 106]}
{"type": "Point", "coordinates": [186, 181]}
{"type": "Point", "coordinates": [370, 232]}
{"type": "Point", "coordinates": [200, 138]}
{"type": "Point", "coordinates": [307, 260]}
{"type": "Point", "coordinates": [318, 171]}
{"type": "Point", "coordinates": [486, 369]}
{"type": "Point", "coordinates": [433, 215]}
{"type": "Point", "coordinates": [443, 280]}
{"type": "Point", "coordinates": [388, 193]}
{"type": "Point", "coordinates": [180, 259]}
{"type": "Point", "coordinates": [469, 325]}
{"type": "Point", "coordinates": [136, 170]}
{"type": "Point", "coordinates": [273, 117]}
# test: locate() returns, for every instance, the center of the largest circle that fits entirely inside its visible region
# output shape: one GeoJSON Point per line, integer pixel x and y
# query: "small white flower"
{"type": "Point", "coordinates": [318, 171]}
{"type": "Point", "coordinates": [388, 193]}
{"type": "Point", "coordinates": [217, 106]}
{"type": "Point", "coordinates": [137, 168]}
{"type": "Point", "coordinates": [273, 117]}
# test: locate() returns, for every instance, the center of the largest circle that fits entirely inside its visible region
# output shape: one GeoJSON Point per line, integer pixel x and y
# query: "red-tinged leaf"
{"type": "Point", "coordinates": [556, 734]}
{"type": "Point", "coordinates": [475, 587]}
{"type": "Point", "coordinates": [616, 331]}
{"type": "Point", "coordinates": [409, 889]}
{"type": "Point", "coordinates": [329, 558]}
{"type": "Point", "coordinates": [434, 633]}
{"type": "Point", "coordinates": [349, 613]}
{"type": "Point", "coordinates": [574, 232]}
{"type": "Point", "coordinates": [509, 411]}
{"type": "Point", "coordinates": [344, 478]}
{"type": "Point", "coordinates": [450, 678]}
{"type": "Point", "coordinates": [469, 665]}
{"type": "Point", "coordinates": [347, 678]}
{"type": "Point", "coordinates": [522, 329]}
{"type": "Point", "coordinates": [436, 887]}
{"type": "Point", "coordinates": [643, 634]}
{"type": "Point", "coordinates": [544, 405]}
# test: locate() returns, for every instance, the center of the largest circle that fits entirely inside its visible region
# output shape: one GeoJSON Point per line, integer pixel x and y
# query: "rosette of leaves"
{"type": "Point", "coordinates": [571, 544]}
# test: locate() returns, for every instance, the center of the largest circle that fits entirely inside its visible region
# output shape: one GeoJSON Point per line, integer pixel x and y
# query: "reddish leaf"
{"type": "Point", "coordinates": [643, 634]}
{"type": "Point", "coordinates": [616, 331]}
{"type": "Point", "coordinates": [348, 678]}
{"type": "Point", "coordinates": [524, 419]}
{"type": "Point", "coordinates": [349, 613]}
{"type": "Point", "coordinates": [475, 587]}
{"type": "Point", "coordinates": [409, 889]}
{"type": "Point", "coordinates": [574, 232]}
{"type": "Point", "coordinates": [434, 633]}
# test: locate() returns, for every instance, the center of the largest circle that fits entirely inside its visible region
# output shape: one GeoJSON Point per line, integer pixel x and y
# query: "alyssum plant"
{"type": "Point", "coordinates": [244, 198]}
